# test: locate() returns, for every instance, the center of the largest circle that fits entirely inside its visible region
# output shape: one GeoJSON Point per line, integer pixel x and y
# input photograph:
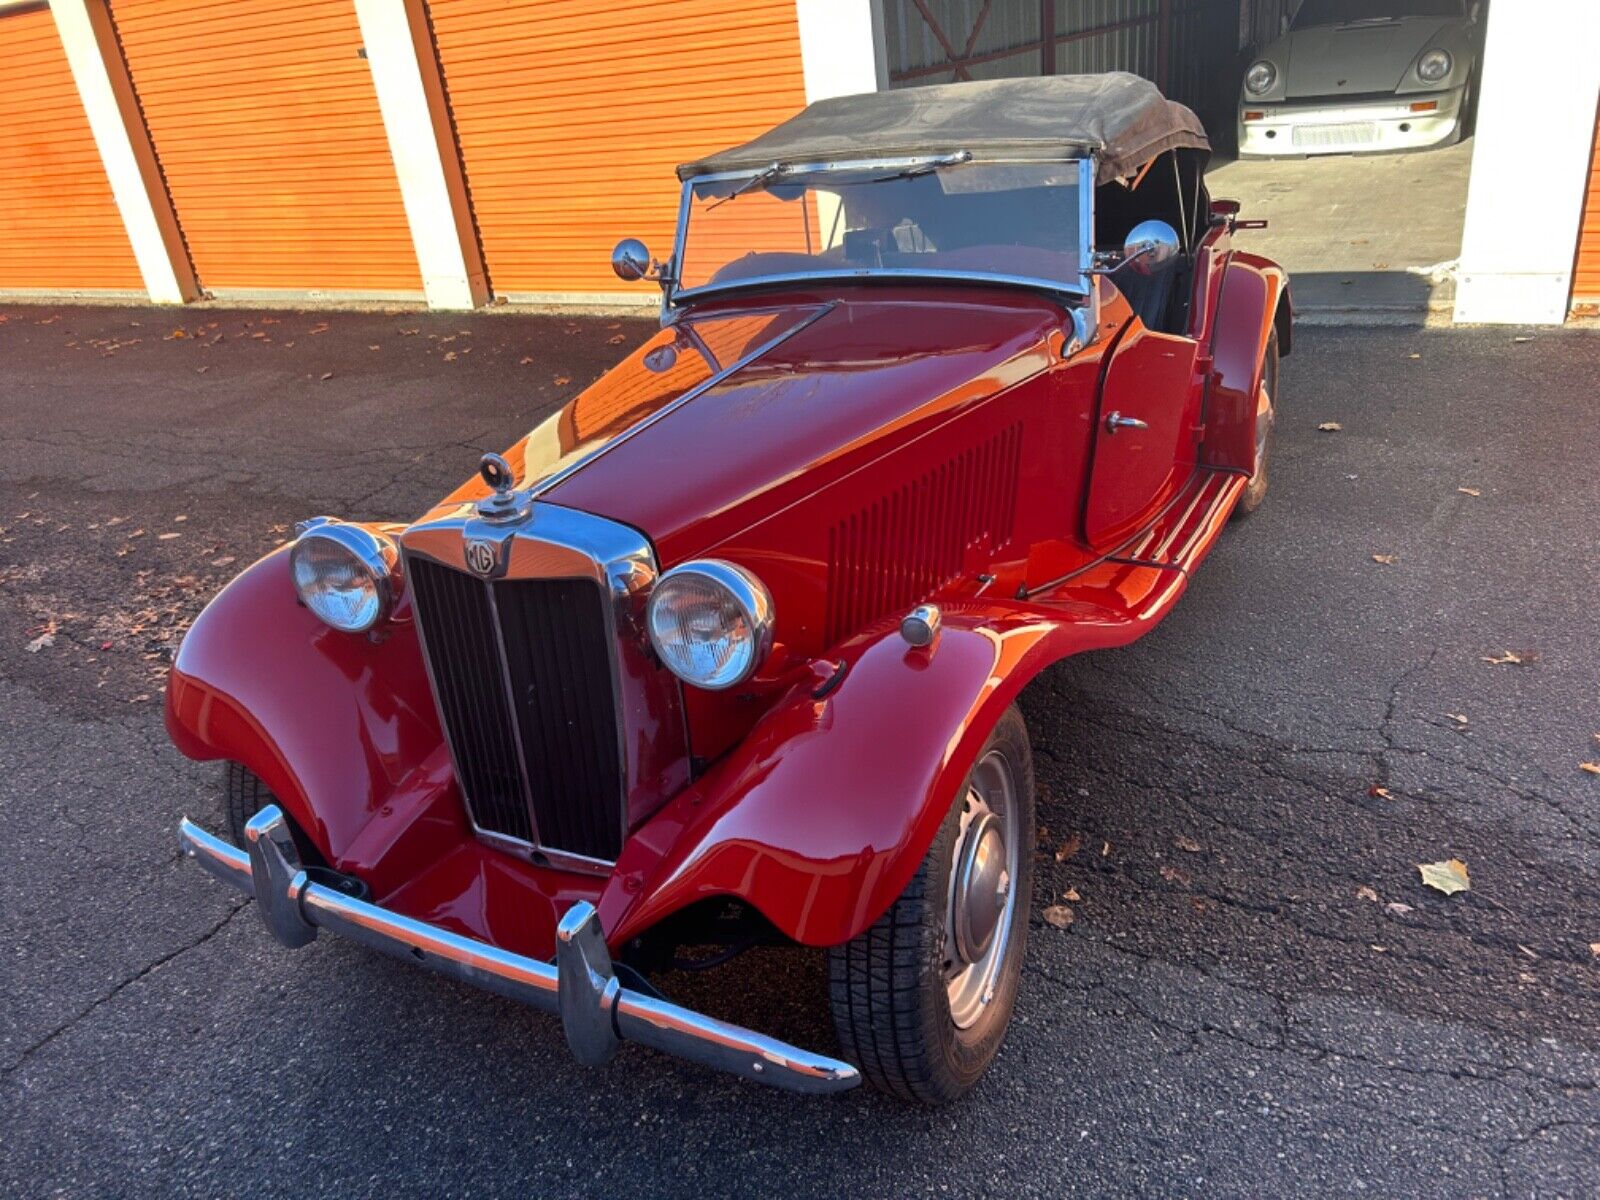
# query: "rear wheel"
{"type": "Point", "coordinates": [921, 1000]}
{"type": "Point", "coordinates": [1266, 417]}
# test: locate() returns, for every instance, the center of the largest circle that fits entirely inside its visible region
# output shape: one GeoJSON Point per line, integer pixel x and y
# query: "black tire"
{"type": "Point", "coordinates": [888, 987]}
{"type": "Point", "coordinates": [1256, 490]}
{"type": "Point", "coordinates": [243, 796]}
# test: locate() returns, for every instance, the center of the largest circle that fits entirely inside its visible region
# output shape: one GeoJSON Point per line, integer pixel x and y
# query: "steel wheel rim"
{"type": "Point", "coordinates": [988, 826]}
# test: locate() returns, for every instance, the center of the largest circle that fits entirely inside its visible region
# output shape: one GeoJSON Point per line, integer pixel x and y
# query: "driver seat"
{"type": "Point", "coordinates": [1150, 296]}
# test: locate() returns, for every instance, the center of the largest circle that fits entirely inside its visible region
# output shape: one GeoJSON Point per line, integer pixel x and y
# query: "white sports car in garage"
{"type": "Point", "coordinates": [1359, 76]}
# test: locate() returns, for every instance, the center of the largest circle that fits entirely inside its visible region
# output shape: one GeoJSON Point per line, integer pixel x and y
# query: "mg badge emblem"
{"type": "Point", "coordinates": [481, 556]}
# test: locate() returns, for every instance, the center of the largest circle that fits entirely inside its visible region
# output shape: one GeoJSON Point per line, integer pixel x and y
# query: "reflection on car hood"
{"type": "Point", "coordinates": [1333, 60]}
{"type": "Point", "coordinates": [732, 414]}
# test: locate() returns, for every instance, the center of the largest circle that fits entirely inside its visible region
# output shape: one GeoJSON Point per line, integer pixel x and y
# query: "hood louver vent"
{"type": "Point", "coordinates": [904, 547]}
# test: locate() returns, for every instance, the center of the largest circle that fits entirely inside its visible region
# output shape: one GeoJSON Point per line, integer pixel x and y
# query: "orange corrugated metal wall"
{"type": "Point", "coordinates": [267, 128]}
{"type": "Point", "coordinates": [59, 225]}
{"type": "Point", "coordinates": [572, 115]}
{"type": "Point", "coordinates": [1586, 275]}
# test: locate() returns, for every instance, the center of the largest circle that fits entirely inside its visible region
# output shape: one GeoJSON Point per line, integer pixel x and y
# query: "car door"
{"type": "Point", "coordinates": [1145, 429]}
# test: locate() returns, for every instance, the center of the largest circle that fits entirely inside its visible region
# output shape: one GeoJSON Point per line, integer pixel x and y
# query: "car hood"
{"type": "Point", "coordinates": [1350, 60]}
{"type": "Point", "coordinates": [727, 416]}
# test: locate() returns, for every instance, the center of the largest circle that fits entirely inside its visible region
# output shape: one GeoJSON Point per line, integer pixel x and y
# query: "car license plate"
{"type": "Point", "coordinates": [1352, 133]}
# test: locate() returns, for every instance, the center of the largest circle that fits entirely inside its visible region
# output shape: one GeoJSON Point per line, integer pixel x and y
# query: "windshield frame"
{"type": "Point", "coordinates": [1080, 289]}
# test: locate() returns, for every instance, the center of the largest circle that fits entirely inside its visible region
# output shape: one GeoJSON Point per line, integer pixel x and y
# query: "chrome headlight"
{"type": "Point", "coordinates": [711, 623]}
{"type": "Point", "coordinates": [1259, 79]}
{"type": "Point", "coordinates": [348, 575]}
{"type": "Point", "coordinates": [1434, 65]}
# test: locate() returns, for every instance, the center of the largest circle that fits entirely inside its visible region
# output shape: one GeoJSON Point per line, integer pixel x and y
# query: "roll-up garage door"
{"type": "Point", "coordinates": [267, 128]}
{"type": "Point", "coordinates": [572, 115]}
{"type": "Point", "coordinates": [59, 226]}
{"type": "Point", "coordinates": [1586, 275]}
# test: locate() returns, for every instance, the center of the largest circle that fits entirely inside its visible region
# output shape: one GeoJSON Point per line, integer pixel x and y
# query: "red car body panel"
{"type": "Point", "coordinates": [940, 428]}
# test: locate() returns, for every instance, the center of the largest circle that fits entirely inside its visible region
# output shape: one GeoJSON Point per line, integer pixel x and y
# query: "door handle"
{"type": "Point", "coordinates": [1116, 421]}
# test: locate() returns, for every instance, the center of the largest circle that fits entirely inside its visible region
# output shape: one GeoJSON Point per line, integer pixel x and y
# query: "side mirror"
{"type": "Point", "coordinates": [1150, 246]}
{"type": "Point", "coordinates": [631, 260]}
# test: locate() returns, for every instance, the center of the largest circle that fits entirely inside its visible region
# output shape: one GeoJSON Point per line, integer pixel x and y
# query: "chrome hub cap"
{"type": "Point", "coordinates": [982, 903]}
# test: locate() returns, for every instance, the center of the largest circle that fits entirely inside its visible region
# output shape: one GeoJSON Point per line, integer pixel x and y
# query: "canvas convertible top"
{"type": "Point", "coordinates": [1121, 119]}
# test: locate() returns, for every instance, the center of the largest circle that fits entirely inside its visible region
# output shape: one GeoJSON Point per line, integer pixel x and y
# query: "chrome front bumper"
{"type": "Point", "coordinates": [597, 1012]}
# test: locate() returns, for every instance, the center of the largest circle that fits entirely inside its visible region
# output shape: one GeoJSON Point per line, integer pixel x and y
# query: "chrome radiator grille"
{"type": "Point", "coordinates": [522, 670]}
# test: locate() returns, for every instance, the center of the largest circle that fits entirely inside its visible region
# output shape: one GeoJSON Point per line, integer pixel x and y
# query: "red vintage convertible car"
{"type": "Point", "coordinates": [725, 651]}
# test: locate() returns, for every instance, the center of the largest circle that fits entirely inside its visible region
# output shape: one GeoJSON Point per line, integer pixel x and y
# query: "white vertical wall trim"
{"type": "Point", "coordinates": [119, 131]}
{"type": "Point", "coordinates": [841, 47]}
{"type": "Point", "coordinates": [1530, 165]}
{"type": "Point", "coordinates": [405, 71]}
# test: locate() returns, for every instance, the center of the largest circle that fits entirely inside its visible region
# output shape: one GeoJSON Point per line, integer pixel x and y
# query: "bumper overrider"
{"type": "Point", "coordinates": [596, 1011]}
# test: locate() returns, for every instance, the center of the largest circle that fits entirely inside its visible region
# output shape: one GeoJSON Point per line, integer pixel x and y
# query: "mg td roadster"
{"type": "Point", "coordinates": [951, 383]}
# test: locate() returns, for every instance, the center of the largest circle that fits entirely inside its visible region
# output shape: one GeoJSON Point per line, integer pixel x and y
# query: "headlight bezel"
{"type": "Point", "coordinates": [748, 594]}
{"type": "Point", "coordinates": [1271, 77]}
{"type": "Point", "coordinates": [1437, 54]}
{"type": "Point", "coordinates": [374, 553]}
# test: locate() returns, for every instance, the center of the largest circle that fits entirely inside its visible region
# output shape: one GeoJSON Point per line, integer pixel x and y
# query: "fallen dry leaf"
{"type": "Point", "coordinates": [1413, 355]}
{"type": "Point", "coordinates": [1330, 427]}
{"type": "Point", "coordinates": [616, 341]}
{"type": "Point", "coordinates": [223, 561]}
{"type": "Point", "coordinates": [1173, 875]}
{"type": "Point", "coordinates": [1449, 876]}
{"type": "Point", "coordinates": [449, 356]}
{"type": "Point", "coordinates": [1592, 767]}
{"type": "Point", "coordinates": [1504, 657]}
{"type": "Point", "coordinates": [1594, 949]}
{"type": "Point", "coordinates": [1072, 895]}
{"type": "Point", "coordinates": [1071, 846]}
{"type": "Point", "coordinates": [1187, 844]}
{"type": "Point", "coordinates": [167, 537]}
{"type": "Point", "coordinates": [1395, 909]}
{"type": "Point", "coordinates": [326, 375]}
{"type": "Point", "coordinates": [1058, 915]}
{"type": "Point", "coordinates": [562, 380]}
{"type": "Point", "coordinates": [1366, 893]}
{"type": "Point", "coordinates": [1466, 491]}
{"type": "Point", "coordinates": [1105, 847]}
{"type": "Point", "coordinates": [1458, 718]}
{"type": "Point", "coordinates": [524, 360]}
{"type": "Point", "coordinates": [1381, 792]}
{"type": "Point", "coordinates": [1387, 560]}
{"type": "Point", "coordinates": [176, 333]}
{"type": "Point", "coordinates": [43, 642]}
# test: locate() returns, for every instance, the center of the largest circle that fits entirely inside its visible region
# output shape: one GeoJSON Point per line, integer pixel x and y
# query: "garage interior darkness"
{"type": "Point", "coordinates": [1332, 220]}
{"type": "Point", "coordinates": [454, 151]}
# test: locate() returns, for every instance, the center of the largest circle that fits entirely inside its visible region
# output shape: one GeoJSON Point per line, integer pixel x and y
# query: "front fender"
{"type": "Point", "coordinates": [332, 722]}
{"type": "Point", "coordinates": [1252, 302]}
{"type": "Point", "coordinates": [821, 816]}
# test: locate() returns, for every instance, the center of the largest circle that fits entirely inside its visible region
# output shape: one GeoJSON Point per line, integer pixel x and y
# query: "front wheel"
{"type": "Point", "coordinates": [921, 1000]}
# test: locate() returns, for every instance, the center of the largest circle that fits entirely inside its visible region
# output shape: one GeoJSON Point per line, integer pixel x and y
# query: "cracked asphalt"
{"type": "Point", "coordinates": [1257, 996]}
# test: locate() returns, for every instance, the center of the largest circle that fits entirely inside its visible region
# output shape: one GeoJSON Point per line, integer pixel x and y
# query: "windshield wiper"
{"type": "Point", "coordinates": [929, 166]}
{"type": "Point", "coordinates": [761, 179]}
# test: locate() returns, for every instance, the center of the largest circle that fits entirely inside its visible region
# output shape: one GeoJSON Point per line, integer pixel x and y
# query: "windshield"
{"type": "Point", "coordinates": [929, 217]}
{"type": "Point", "coordinates": [1348, 12]}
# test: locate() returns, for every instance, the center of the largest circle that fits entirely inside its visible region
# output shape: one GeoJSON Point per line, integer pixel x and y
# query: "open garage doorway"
{"type": "Point", "coordinates": [1346, 124]}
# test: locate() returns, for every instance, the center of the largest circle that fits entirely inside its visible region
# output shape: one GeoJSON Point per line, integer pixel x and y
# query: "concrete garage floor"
{"type": "Point", "coordinates": [1371, 235]}
{"type": "Point", "coordinates": [1241, 1019]}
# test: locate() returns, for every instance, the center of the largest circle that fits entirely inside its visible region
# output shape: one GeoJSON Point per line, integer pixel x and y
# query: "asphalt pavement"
{"type": "Point", "coordinates": [1257, 996]}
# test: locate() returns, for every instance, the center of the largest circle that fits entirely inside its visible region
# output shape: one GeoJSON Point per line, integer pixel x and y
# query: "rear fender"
{"type": "Point", "coordinates": [338, 725]}
{"type": "Point", "coordinates": [1253, 300]}
{"type": "Point", "coordinates": [822, 814]}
